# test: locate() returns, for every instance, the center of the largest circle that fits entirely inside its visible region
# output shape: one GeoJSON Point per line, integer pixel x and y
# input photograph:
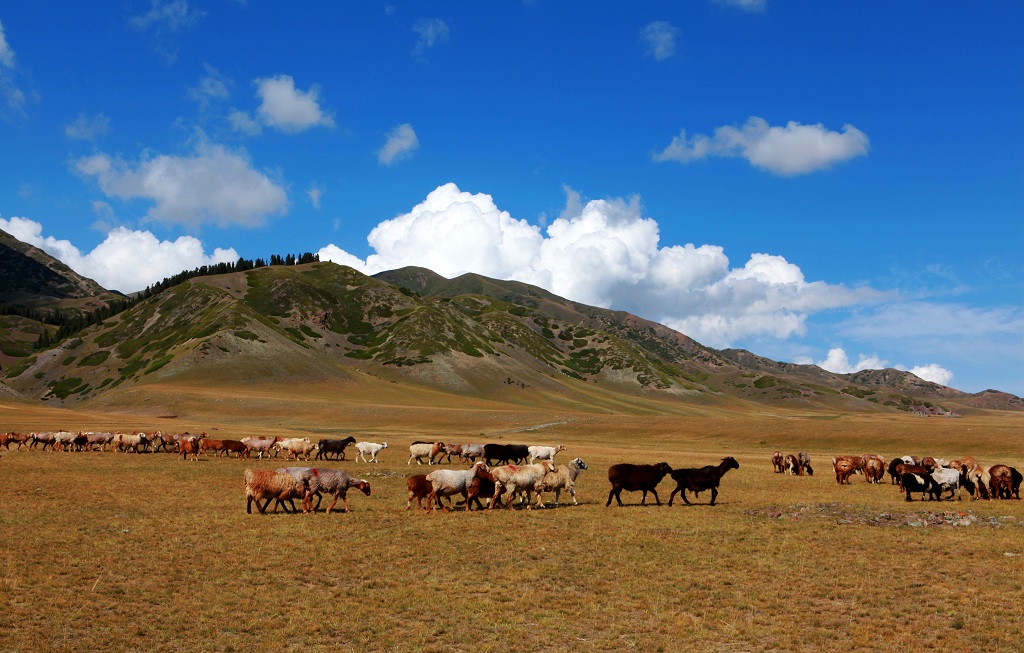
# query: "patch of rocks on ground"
{"type": "Point", "coordinates": [845, 514]}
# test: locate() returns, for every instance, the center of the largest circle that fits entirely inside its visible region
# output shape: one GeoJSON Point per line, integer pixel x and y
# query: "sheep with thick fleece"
{"type": "Point", "coordinates": [449, 482]}
{"type": "Point", "coordinates": [561, 478]}
{"type": "Point", "coordinates": [429, 450]}
{"type": "Point", "coordinates": [263, 484]}
{"type": "Point", "coordinates": [519, 478]}
{"type": "Point", "coordinates": [337, 483]}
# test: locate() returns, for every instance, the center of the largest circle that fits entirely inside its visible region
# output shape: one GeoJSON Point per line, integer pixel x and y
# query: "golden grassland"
{"type": "Point", "coordinates": [122, 552]}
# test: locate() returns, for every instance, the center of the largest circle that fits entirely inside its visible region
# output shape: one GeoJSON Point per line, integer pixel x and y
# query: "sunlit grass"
{"type": "Point", "coordinates": [119, 552]}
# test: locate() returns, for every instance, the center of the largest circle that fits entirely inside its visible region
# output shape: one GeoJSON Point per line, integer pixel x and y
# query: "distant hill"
{"type": "Point", "coordinates": [472, 336]}
{"type": "Point", "coordinates": [37, 294]}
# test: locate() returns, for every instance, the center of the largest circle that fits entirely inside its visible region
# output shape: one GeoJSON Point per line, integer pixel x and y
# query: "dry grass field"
{"type": "Point", "coordinates": [121, 552]}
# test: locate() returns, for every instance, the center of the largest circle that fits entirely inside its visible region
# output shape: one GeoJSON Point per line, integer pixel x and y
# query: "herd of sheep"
{"type": "Point", "coordinates": [506, 472]}
{"type": "Point", "coordinates": [931, 477]}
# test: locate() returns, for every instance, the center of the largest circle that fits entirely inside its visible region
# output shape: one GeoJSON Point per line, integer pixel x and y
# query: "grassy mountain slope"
{"type": "Point", "coordinates": [414, 331]}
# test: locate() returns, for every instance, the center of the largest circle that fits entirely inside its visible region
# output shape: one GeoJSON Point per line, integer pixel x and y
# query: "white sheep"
{"type": "Point", "coordinates": [296, 447]}
{"type": "Point", "coordinates": [562, 477]}
{"type": "Point", "coordinates": [449, 482]}
{"type": "Point", "coordinates": [519, 478]}
{"type": "Point", "coordinates": [544, 453]}
{"type": "Point", "coordinates": [428, 450]}
{"type": "Point", "coordinates": [370, 449]}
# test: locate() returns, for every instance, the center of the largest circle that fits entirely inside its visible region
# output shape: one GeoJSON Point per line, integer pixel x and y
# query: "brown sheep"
{"type": "Point", "coordinates": [263, 484]}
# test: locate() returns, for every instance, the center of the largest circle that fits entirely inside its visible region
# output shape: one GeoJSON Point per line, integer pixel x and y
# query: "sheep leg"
{"type": "Point", "coordinates": [714, 495]}
{"type": "Point", "coordinates": [332, 504]}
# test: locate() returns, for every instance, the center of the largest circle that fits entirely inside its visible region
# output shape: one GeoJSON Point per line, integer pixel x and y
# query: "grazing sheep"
{"type": "Point", "coordinates": [370, 449]}
{"type": "Point", "coordinates": [805, 462]}
{"type": "Point", "coordinates": [562, 477]}
{"type": "Point", "coordinates": [778, 462]}
{"type": "Point", "coordinates": [793, 466]}
{"type": "Point", "coordinates": [264, 484]}
{"type": "Point", "coordinates": [703, 478]}
{"type": "Point", "coordinates": [874, 470]}
{"type": "Point", "coordinates": [636, 478]}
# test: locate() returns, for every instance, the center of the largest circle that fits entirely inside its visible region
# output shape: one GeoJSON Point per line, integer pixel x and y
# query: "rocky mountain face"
{"type": "Point", "coordinates": [471, 335]}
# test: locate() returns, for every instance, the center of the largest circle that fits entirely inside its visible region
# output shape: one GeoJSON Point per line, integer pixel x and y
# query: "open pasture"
{"type": "Point", "coordinates": [123, 552]}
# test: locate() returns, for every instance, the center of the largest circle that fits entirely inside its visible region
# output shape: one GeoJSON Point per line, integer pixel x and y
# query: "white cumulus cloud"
{"type": "Point", "coordinates": [659, 39]}
{"type": "Point", "coordinates": [794, 149]}
{"type": "Point", "coordinates": [212, 185]}
{"type": "Point", "coordinates": [838, 362]}
{"type": "Point", "coordinates": [401, 144]}
{"type": "Point", "coordinates": [287, 108]}
{"type": "Point", "coordinates": [934, 373]}
{"type": "Point", "coordinates": [126, 260]}
{"type": "Point", "coordinates": [604, 253]}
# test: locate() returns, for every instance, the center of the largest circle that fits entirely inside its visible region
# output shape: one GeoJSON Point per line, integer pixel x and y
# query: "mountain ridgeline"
{"type": "Point", "coordinates": [312, 322]}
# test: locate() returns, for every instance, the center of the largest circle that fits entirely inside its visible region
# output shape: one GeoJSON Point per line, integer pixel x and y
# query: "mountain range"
{"type": "Point", "coordinates": [470, 336]}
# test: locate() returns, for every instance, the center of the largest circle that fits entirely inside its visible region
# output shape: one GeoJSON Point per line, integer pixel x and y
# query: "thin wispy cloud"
{"type": "Point", "coordinates": [401, 144]}
{"type": "Point", "coordinates": [87, 128]}
{"type": "Point", "coordinates": [430, 32]}
{"type": "Point", "coordinates": [793, 149]}
{"type": "Point", "coordinates": [751, 6]}
{"type": "Point", "coordinates": [659, 39]}
{"type": "Point", "coordinates": [164, 21]}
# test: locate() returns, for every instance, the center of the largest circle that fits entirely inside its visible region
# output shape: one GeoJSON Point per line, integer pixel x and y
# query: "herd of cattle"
{"type": "Point", "coordinates": [509, 470]}
{"type": "Point", "coordinates": [929, 476]}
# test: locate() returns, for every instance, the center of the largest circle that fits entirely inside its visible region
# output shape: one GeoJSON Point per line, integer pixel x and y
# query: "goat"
{"type": "Point", "coordinates": [636, 478]}
{"type": "Point", "coordinates": [698, 480]}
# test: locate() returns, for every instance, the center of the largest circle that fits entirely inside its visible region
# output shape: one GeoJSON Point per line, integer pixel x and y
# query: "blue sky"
{"type": "Point", "coordinates": [835, 183]}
